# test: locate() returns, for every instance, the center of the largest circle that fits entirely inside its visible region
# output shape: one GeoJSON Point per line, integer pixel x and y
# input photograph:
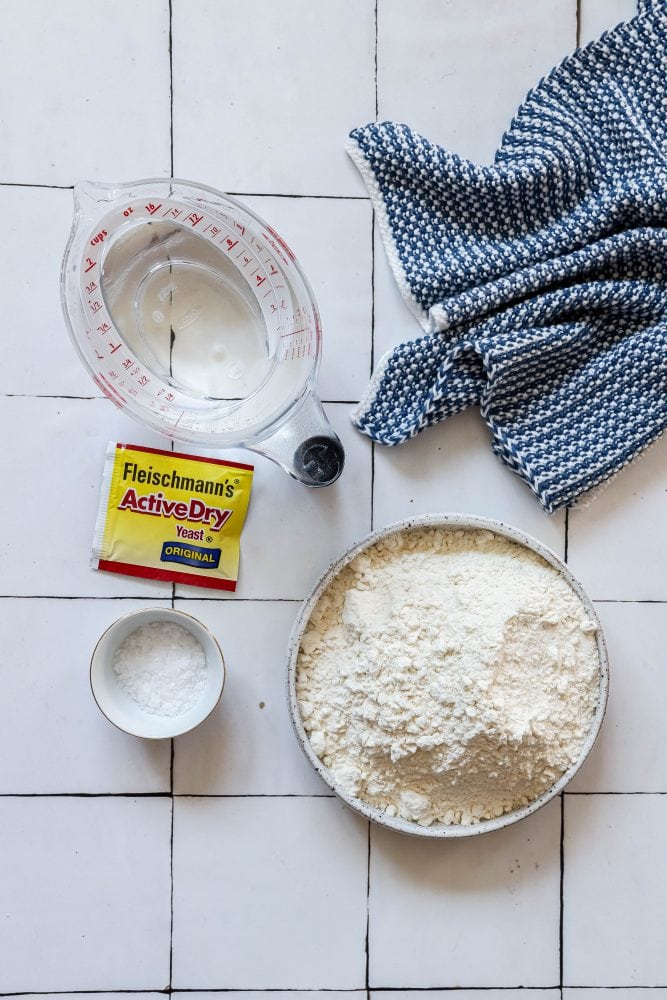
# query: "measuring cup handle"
{"type": "Point", "coordinates": [305, 445]}
{"type": "Point", "coordinates": [319, 460]}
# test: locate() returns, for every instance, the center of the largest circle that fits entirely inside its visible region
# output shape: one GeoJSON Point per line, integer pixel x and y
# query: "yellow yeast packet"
{"type": "Point", "coordinates": [168, 516]}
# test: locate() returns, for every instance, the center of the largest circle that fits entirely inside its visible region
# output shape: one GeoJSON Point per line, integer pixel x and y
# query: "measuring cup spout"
{"type": "Point", "coordinates": [306, 446]}
{"type": "Point", "coordinates": [88, 195]}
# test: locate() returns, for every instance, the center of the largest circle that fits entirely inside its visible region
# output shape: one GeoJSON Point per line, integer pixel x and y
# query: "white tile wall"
{"type": "Point", "coordinates": [55, 739]}
{"type": "Point", "coordinates": [631, 752]}
{"type": "Point", "coordinates": [85, 91]}
{"type": "Point", "coordinates": [463, 994]}
{"type": "Point", "coordinates": [247, 746]}
{"type": "Point", "coordinates": [273, 892]}
{"type": "Point", "coordinates": [482, 912]}
{"type": "Point", "coordinates": [451, 468]}
{"type": "Point", "coordinates": [85, 893]}
{"type": "Point", "coordinates": [616, 993]}
{"type": "Point", "coordinates": [615, 885]}
{"type": "Point", "coordinates": [264, 96]}
{"type": "Point", "coordinates": [269, 892]}
{"type": "Point", "coordinates": [55, 455]}
{"type": "Point", "coordinates": [260, 995]}
{"type": "Point", "coordinates": [600, 15]}
{"type": "Point", "coordinates": [452, 63]}
{"type": "Point", "coordinates": [616, 545]}
{"type": "Point", "coordinates": [35, 357]}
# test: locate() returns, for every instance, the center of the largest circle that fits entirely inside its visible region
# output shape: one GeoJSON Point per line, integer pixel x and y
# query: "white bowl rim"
{"type": "Point", "coordinates": [456, 520]}
{"type": "Point", "coordinates": [142, 612]}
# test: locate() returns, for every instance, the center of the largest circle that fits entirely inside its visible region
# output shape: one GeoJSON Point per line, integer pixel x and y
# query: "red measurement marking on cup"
{"type": "Point", "coordinates": [94, 306]}
{"type": "Point", "coordinates": [92, 287]}
{"type": "Point", "coordinates": [194, 219]}
{"type": "Point", "coordinates": [109, 390]}
{"type": "Point", "coordinates": [151, 208]}
{"type": "Point", "coordinates": [103, 328]}
{"type": "Point", "coordinates": [90, 265]}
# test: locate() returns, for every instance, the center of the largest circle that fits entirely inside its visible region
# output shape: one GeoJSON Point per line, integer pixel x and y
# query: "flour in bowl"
{"type": "Point", "coordinates": [448, 676]}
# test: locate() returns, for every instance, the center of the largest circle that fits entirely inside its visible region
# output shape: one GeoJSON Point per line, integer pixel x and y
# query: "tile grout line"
{"type": "Point", "coordinates": [283, 194]}
{"type": "Point", "coordinates": [191, 989]}
{"type": "Point", "coordinates": [495, 989]}
{"type": "Point", "coordinates": [375, 63]}
{"type": "Point", "coordinates": [171, 868]}
{"type": "Point", "coordinates": [190, 795]}
{"type": "Point", "coordinates": [234, 194]}
{"type": "Point", "coordinates": [46, 187]}
{"type": "Point", "coordinates": [38, 395]}
{"type": "Point", "coordinates": [237, 795]}
{"type": "Point", "coordinates": [369, 833]}
{"type": "Point", "coordinates": [242, 795]}
{"type": "Point", "coordinates": [375, 77]}
{"type": "Point", "coordinates": [322, 989]}
{"type": "Point", "coordinates": [172, 741]}
{"type": "Point", "coordinates": [163, 598]}
{"type": "Point", "coordinates": [171, 90]}
{"type": "Point", "coordinates": [372, 360]}
{"type": "Point", "coordinates": [368, 914]}
{"type": "Point", "coordinates": [562, 882]}
{"type": "Point", "coordinates": [561, 848]}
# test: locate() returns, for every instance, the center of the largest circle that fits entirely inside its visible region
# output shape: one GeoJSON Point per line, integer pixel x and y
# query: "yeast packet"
{"type": "Point", "coordinates": [164, 515]}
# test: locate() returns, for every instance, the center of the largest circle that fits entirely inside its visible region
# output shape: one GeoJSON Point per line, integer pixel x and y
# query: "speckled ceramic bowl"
{"type": "Point", "coordinates": [439, 830]}
{"type": "Point", "coordinates": [121, 709]}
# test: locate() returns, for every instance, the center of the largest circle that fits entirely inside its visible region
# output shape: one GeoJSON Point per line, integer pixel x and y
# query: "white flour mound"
{"type": "Point", "coordinates": [448, 676]}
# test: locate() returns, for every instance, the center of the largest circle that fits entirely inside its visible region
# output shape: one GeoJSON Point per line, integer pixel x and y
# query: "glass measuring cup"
{"type": "Point", "coordinates": [193, 314]}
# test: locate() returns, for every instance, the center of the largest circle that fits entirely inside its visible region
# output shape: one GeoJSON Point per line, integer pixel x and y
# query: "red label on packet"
{"type": "Point", "coordinates": [169, 516]}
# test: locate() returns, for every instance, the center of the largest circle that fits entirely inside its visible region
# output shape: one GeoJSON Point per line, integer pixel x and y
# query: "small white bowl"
{"type": "Point", "coordinates": [121, 709]}
{"type": "Point", "coordinates": [440, 830]}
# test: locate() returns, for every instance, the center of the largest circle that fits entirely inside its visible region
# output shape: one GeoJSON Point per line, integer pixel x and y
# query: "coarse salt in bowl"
{"type": "Point", "coordinates": [157, 673]}
{"type": "Point", "coordinates": [456, 523]}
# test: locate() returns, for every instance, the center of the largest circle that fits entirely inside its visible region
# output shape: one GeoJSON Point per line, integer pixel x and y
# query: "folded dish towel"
{"type": "Point", "coordinates": [540, 281]}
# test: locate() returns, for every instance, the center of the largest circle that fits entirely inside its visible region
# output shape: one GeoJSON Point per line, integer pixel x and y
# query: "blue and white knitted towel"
{"type": "Point", "coordinates": [540, 281]}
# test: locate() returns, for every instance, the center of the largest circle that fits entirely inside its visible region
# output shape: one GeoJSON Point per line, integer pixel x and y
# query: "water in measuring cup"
{"type": "Point", "coordinates": [186, 312]}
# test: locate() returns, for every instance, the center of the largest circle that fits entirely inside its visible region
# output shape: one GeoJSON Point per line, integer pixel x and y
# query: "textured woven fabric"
{"type": "Point", "coordinates": [540, 281]}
